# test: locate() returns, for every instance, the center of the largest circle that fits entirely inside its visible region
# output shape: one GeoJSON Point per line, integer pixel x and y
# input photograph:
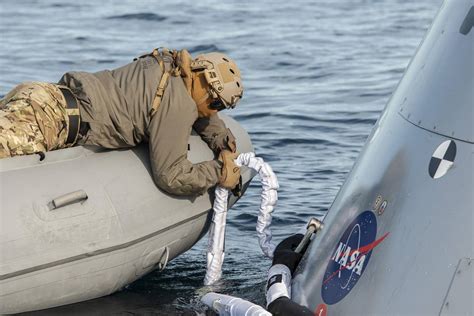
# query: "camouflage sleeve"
{"type": "Point", "coordinates": [169, 132]}
{"type": "Point", "coordinates": [214, 132]}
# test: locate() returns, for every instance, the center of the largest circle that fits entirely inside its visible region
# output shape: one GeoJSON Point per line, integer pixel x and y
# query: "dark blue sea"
{"type": "Point", "coordinates": [317, 75]}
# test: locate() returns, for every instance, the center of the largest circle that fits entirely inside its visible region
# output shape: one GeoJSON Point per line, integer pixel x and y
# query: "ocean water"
{"type": "Point", "coordinates": [317, 75]}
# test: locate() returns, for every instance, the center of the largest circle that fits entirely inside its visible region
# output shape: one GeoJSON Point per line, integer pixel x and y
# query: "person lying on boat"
{"type": "Point", "coordinates": [158, 98]}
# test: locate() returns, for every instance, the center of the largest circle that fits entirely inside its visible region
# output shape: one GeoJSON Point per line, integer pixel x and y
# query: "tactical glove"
{"type": "Point", "coordinates": [230, 142]}
{"type": "Point", "coordinates": [230, 171]}
{"type": "Point", "coordinates": [285, 252]}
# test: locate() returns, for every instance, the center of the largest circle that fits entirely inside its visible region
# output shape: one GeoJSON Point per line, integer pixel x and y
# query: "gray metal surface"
{"type": "Point", "coordinates": [436, 93]}
{"type": "Point", "coordinates": [110, 224]}
{"type": "Point", "coordinates": [422, 223]}
{"type": "Point", "coordinates": [461, 290]}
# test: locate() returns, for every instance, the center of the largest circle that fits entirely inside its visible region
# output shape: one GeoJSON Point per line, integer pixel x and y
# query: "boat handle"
{"type": "Point", "coordinates": [69, 198]}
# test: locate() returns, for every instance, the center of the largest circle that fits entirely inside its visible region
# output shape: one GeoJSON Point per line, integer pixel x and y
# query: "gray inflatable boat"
{"type": "Point", "coordinates": [84, 222]}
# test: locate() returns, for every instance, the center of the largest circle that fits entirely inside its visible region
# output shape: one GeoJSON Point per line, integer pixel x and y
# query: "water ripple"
{"type": "Point", "coordinates": [204, 49]}
{"type": "Point", "coordinates": [138, 16]}
{"type": "Point", "coordinates": [316, 73]}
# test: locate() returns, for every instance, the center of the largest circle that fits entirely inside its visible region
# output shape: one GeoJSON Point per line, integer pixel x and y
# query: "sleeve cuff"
{"type": "Point", "coordinates": [278, 283]}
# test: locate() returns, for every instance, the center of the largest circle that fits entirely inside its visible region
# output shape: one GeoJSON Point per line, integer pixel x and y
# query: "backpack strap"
{"type": "Point", "coordinates": [159, 92]}
{"type": "Point", "coordinates": [175, 71]}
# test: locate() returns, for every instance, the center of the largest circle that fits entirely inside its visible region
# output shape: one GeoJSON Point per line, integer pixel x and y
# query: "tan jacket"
{"type": "Point", "coordinates": [116, 104]}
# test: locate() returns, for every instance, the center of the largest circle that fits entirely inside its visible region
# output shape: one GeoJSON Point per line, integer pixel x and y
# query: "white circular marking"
{"type": "Point", "coordinates": [442, 159]}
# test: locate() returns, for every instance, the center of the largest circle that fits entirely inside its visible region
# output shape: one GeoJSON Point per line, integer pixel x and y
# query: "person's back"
{"type": "Point", "coordinates": [116, 103]}
{"type": "Point", "coordinates": [157, 98]}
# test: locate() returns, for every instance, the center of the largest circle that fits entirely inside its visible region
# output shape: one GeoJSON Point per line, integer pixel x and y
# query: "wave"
{"type": "Point", "coordinates": [138, 16]}
{"type": "Point", "coordinates": [204, 49]}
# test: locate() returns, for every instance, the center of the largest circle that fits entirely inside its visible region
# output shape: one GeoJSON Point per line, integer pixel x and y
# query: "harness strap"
{"type": "Point", "coordinates": [159, 58]}
{"type": "Point", "coordinates": [159, 92]}
{"type": "Point", "coordinates": [174, 71]}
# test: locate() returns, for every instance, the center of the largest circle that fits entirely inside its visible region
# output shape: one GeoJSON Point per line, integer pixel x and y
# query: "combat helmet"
{"type": "Point", "coordinates": [223, 77]}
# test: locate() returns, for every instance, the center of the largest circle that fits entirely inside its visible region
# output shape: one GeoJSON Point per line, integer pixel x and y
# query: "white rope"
{"type": "Point", "coordinates": [215, 247]}
{"type": "Point", "coordinates": [269, 197]}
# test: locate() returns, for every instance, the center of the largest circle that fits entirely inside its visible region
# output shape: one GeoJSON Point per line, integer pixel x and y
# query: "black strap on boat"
{"type": "Point", "coordinates": [74, 117]}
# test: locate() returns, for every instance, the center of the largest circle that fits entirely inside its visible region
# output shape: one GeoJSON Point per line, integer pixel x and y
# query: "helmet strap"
{"type": "Point", "coordinates": [184, 60]}
{"type": "Point", "coordinates": [200, 88]}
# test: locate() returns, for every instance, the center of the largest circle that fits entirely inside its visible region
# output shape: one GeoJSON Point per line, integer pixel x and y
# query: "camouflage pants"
{"type": "Point", "coordinates": [32, 119]}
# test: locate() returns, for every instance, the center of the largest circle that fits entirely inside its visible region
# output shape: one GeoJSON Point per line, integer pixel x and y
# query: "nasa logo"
{"type": "Point", "coordinates": [350, 258]}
